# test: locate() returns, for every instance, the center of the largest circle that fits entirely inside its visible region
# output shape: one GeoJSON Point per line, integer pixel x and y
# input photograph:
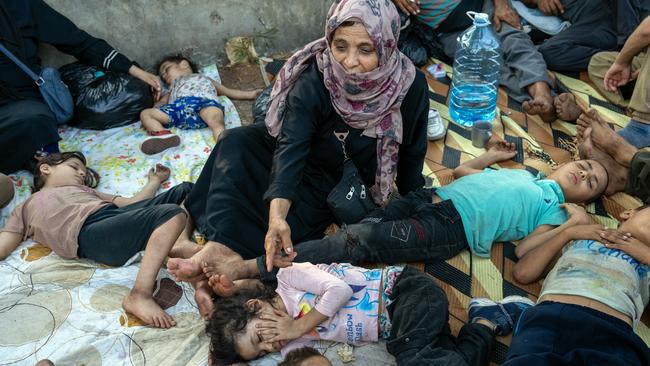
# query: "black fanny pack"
{"type": "Point", "coordinates": [350, 200]}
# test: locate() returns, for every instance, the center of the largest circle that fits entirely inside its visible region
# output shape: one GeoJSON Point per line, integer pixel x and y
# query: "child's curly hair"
{"type": "Point", "coordinates": [230, 317]}
{"type": "Point", "coordinates": [53, 160]}
{"type": "Point", "coordinates": [177, 58]}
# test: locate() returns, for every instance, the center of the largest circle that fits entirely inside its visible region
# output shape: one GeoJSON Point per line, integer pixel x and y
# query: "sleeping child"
{"type": "Point", "coordinates": [344, 303]}
{"type": "Point", "coordinates": [76, 221]}
{"type": "Point", "coordinates": [191, 104]}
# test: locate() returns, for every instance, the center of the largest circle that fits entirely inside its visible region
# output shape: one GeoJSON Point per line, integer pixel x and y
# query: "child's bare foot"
{"type": "Point", "coordinates": [184, 248]}
{"type": "Point", "coordinates": [203, 297]}
{"type": "Point", "coordinates": [222, 285]}
{"type": "Point", "coordinates": [566, 107]}
{"type": "Point", "coordinates": [44, 362]}
{"type": "Point", "coordinates": [542, 106]}
{"type": "Point", "coordinates": [144, 307]}
{"type": "Point", "coordinates": [185, 269]}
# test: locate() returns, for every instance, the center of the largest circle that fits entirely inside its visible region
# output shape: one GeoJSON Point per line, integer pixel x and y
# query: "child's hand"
{"type": "Point", "coordinates": [616, 239]}
{"type": "Point", "coordinates": [577, 214]}
{"type": "Point", "coordinates": [278, 327]}
{"type": "Point", "coordinates": [159, 174]}
{"type": "Point", "coordinates": [586, 232]}
{"type": "Point", "coordinates": [255, 93]}
{"type": "Point", "coordinates": [502, 150]}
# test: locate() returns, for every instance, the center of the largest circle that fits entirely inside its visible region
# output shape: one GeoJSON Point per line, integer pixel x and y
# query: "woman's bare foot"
{"type": "Point", "coordinates": [146, 309]}
{"type": "Point", "coordinates": [190, 269]}
{"type": "Point", "coordinates": [566, 107]}
{"type": "Point", "coordinates": [541, 106]}
{"type": "Point", "coordinates": [203, 297]}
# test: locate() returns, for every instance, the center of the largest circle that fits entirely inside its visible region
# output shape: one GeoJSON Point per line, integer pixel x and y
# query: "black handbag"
{"type": "Point", "coordinates": [350, 200]}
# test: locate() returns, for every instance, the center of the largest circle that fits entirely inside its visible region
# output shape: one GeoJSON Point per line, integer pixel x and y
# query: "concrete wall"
{"type": "Point", "coordinates": [144, 30]}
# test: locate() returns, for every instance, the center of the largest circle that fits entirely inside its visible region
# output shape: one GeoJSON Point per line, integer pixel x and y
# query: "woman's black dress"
{"type": "Point", "coordinates": [249, 167]}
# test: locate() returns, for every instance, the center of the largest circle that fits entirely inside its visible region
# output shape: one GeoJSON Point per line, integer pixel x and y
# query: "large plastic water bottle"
{"type": "Point", "coordinates": [475, 79]}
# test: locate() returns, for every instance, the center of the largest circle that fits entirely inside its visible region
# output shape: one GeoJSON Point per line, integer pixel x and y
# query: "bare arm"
{"type": "Point", "coordinates": [162, 101]}
{"type": "Point", "coordinates": [499, 152]}
{"type": "Point", "coordinates": [638, 40]}
{"type": "Point", "coordinates": [536, 262]}
{"type": "Point", "coordinates": [236, 93]}
{"type": "Point", "coordinates": [156, 177]}
{"type": "Point", "coordinates": [278, 236]}
{"type": "Point", "coordinates": [8, 243]}
{"type": "Point", "coordinates": [543, 233]}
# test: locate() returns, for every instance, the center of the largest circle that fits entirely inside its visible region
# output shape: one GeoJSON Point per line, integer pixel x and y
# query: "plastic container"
{"type": "Point", "coordinates": [475, 80]}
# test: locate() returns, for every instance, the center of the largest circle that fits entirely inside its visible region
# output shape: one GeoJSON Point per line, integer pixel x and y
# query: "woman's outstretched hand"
{"type": "Point", "coordinates": [278, 239]}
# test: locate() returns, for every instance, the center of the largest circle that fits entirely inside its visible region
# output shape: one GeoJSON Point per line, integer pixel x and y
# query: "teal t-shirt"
{"type": "Point", "coordinates": [503, 205]}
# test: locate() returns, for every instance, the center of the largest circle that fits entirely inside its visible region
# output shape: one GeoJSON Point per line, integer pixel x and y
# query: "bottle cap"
{"type": "Point", "coordinates": [479, 18]}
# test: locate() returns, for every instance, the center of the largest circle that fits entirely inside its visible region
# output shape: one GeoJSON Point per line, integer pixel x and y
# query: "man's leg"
{"type": "Point", "coordinates": [592, 30]}
{"type": "Point", "coordinates": [420, 333]}
{"type": "Point", "coordinates": [598, 66]}
{"type": "Point", "coordinates": [637, 132]}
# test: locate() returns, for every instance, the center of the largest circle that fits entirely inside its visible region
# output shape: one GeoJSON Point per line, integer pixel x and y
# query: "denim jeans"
{"type": "Point", "coordinates": [407, 230]}
{"type": "Point", "coordinates": [420, 333]}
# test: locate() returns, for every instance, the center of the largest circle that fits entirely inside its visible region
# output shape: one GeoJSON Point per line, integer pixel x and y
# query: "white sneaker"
{"type": "Point", "coordinates": [435, 128]}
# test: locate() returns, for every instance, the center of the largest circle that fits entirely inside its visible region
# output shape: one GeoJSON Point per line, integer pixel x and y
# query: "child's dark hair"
{"type": "Point", "coordinates": [53, 160]}
{"type": "Point", "coordinates": [297, 356]}
{"type": "Point", "coordinates": [230, 317]}
{"type": "Point", "coordinates": [177, 58]}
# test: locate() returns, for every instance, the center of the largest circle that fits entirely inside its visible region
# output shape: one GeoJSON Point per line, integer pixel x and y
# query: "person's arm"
{"type": "Point", "coordinates": [155, 178]}
{"type": "Point", "coordinates": [543, 233]}
{"type": "Point", "coordinates": [409, 7]}
{"type": "Point", "coordinates": [303, 110]}
{"type": "Point", "coordinates": [619, 73]}
{"type": "Point", "coordinates": [8, 243]}
{"type": "Point", "coordinates": [162, 101]}
{"type": "Point", "coordinates": [55, 29]}
{"type": "Point", "coordinates": [535, 263]}
{"type": "Point", "coordinates": [498, 152]}
{"type": "Point", "coordinates": [333, 294]}
{"type": "Point", "coordinates": [235, 93]}
{"type": "Point", "coordinates": [412, 152]}
{"type": "Point", "coordinates": [504, 13]}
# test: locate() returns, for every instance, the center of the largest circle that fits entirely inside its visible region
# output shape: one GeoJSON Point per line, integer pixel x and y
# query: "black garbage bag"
{"type": "Point", "coordinates": [262, 104]}
{"type": "Point", "coordinates": [104, 99]}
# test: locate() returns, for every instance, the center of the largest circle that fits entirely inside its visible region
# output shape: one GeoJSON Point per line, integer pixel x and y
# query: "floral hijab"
{"type": "Point", "coordinates": [370, 101]}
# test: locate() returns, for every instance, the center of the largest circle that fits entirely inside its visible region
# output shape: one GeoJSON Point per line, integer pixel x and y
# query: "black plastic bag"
{"type": "Point", "coordinates": [262, 104]}
{"type": "Point", "coordinates": [104, 99]}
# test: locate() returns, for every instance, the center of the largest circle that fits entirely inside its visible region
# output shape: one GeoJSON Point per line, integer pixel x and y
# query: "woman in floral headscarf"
{"type": "Point", "coordinates": [352, 79]}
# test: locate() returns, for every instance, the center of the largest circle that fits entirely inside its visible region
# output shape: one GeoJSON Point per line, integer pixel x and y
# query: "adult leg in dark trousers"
{"type": "Point", "coordinates": [592, 30]}
{"type": "Point", "coordinates": [411, 229]}
{"type": "Point", "coordinates": [25, 126]}
{"type": "Point", "coordinates": [420, 333]}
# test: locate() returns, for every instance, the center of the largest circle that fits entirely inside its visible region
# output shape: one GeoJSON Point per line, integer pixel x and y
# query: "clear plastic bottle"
{"type": "Point", "coordinates": [475, 80]}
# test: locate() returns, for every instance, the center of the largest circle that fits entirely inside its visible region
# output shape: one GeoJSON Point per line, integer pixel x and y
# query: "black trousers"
{"type": "Point", "coordinates": [592, 30]}
{"type": "Point", "coordinates": [25, 126]}
{"type": "Point", "coordinates": [420, 333]}
{"type": "Point", "coordinates": [407, 230]}
{"type": "Point", "coordinates": [114, 234]}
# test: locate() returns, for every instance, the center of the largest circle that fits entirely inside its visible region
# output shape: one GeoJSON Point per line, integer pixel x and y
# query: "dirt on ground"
{"type": "Point", "coordinates": [244, 77]}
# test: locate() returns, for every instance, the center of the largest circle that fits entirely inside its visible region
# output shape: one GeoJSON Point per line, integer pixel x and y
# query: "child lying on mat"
{"type": "Point", "coordinates": [78, 222]}
{"type": "Point", "coordinates": [343, 303]}
{"type": "Point", "coordinates": [191, 104]}
{"type": "Point", "coordinates": [480, 207]}
{"type": "Point", "coordinates": [593, 296]}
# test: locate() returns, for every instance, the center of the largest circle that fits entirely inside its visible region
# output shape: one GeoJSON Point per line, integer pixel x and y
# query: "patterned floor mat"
{"type": "Point", "coordinates": [540, 145]}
